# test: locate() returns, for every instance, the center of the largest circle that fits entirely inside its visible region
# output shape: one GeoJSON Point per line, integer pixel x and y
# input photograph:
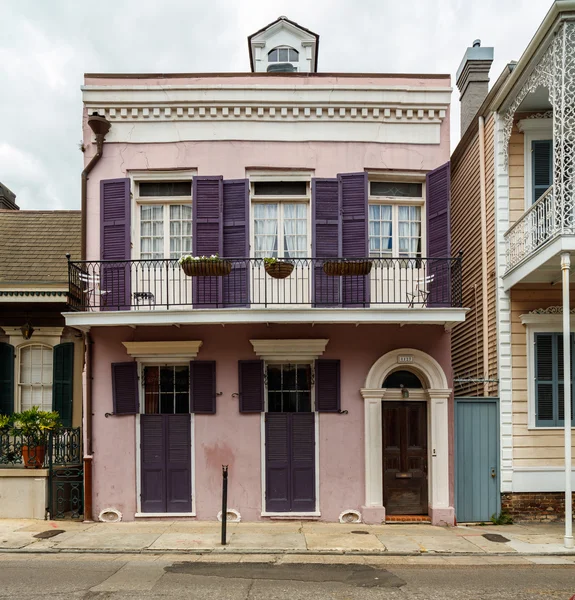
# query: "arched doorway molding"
{"type": "Point", "coordinates": [436, 392]}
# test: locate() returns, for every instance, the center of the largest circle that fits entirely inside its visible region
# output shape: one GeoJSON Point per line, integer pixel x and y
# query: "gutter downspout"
{"type": "Point", "coordinates": [100, 126]}
{"type": "Point", "coordinates": [484, 294]}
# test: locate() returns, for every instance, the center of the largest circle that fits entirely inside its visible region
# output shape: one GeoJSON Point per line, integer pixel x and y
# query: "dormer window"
{"type": "Point", "coordinates": [283, 54]}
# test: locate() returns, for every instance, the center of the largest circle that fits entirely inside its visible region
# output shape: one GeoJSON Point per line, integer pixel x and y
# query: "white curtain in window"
{"type": "Point", "coordinates": [380, 230]}
{"type": "Point", "coordinates": [266, 229]}
{"type": "Point", "coordinates": [151, 231]}
{"type": "Point", "coordinates": [36, 377]}
{"type": "Point", "coordinates": [409, 230]}
{"type": "Point", "coordinates": [295, 230]}
{"type": "Point", "coordinates": [180, 230]}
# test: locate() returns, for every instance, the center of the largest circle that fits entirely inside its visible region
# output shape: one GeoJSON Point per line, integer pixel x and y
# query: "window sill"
{"type": "Point", "coordinates": [139, 515]}
{"type": "Point", "coordinates": [291, 515]}
{"type": "Point", "coordinates": [23, 472]}
{"type": "Point", "coordinates": [547, 428]}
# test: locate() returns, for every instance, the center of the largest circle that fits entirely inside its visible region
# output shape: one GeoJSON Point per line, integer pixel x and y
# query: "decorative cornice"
{"type": "Point", "coordinates": [187, 349]}
{"type": "Point", "coordinates": [295, 350]}
{"type": "Point", "coordinates": [262, 112]}
{"type": "Point", "coordinates": [550, 310]}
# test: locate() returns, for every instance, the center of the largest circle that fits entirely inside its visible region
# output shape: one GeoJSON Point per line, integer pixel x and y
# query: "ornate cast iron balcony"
{"type": "Point", "coordinates": [547, 219]}
{"type": "Point", "coordinates": [245, 282]}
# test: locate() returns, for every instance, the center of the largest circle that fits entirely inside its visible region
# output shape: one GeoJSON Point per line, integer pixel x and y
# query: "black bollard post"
{"type": "Point", "coordinates": [224, 503]}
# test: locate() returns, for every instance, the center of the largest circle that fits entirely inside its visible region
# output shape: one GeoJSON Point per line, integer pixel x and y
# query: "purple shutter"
{"type": "Point", "coordinates": [327, 385]}
{"type": "Point", "coordinates": [203, 387]}
{"type": "Point", "coordinates": [326, 241]}
{"type": "Point", "coordinates": [236, 241]}
{"type": "Point", "coordinates": [302, 459]}
{"type": "Point", "coordinates": [277, 431]}
{"type": "Point", "coordinates": [115, 243]}
{"type": "Point", "coordinates": [438, 235]}
{"type": "Point", "coordinates": [153, 463]}
{"type": "Point", "coordinates": [354, 236]}
{"type": "Point", "coordinates": [251, 380]}
{"type": "Point", "coordinates": [125, 388]}
{"type": "Point", "coordinates": [178, 463]}
{"type": "Point", "coordinates": [207, 236]}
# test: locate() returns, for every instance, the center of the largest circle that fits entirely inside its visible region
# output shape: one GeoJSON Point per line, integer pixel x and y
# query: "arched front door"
{"type": "Point", "coordinates": [404, 445]}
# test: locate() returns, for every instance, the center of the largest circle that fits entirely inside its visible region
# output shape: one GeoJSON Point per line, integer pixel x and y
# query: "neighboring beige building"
{"type": "Point", "coordinates": [513, 214]}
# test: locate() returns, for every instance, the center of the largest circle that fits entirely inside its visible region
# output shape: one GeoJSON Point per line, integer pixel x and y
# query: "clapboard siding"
{"type": "Point", "coordinates": [467, 337]}
{"type": "Point", "coordinates": [516, 175]}
{"type": "Point", "coordinates": [531, 447]}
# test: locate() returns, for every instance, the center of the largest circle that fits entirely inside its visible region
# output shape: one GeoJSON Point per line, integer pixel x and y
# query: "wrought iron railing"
{"type": "Point", "coordinates": [546, 219]}
{"type": "Point", "coordinates": [59, 448]}
{"type": "Point", "coordinates": [244, 282]}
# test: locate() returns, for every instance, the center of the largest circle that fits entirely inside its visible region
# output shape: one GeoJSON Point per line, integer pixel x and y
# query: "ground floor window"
{"type": "Point", "coordinates": [549, 379]}
{"type": "Point", "coordinates": [289, 387]}
{"type": "Point", "coordinates": [35, 379]}
{"type": "Point", "coordinates": [166, 389]}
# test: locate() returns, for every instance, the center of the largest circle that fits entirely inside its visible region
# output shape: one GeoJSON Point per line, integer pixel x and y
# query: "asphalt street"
{"type": "Point", "coordinates": [110, 577]}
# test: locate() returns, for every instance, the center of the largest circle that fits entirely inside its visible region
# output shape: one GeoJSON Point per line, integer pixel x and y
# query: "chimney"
{"type": "Point", "coordinates": [473, 81]}
{"type": "Point", "coordinates": [7, 198]}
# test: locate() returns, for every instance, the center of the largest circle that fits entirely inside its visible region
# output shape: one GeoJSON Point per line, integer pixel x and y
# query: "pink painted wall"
{"type": "Point", "coordinates": [234, 439]}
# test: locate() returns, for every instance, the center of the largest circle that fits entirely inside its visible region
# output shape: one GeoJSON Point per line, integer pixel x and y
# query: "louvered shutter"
{"type": "Point", "coordinates": [153, 463]}
{"type": "Point", "coordinates": [354, 234]}
{"type": "Point", "coordinates": [438, 196]}
{"type": "Point", "coordinates": [302, 450]}
{"type": "Point", "coordinates": [6, 379]}
{"type": "Point", "coordinates": [203, 387]}
{"type": "Point", "coordinates": [178, 463]}
{"type": "Point", "coordinates": [207, 236]}
{"type": "Point", "coordinates": [560, 410]}
{"type": "Point", "coordinates": [125, 388]}
{"type": "Point", "coordinates": [278, 460]}
{"type": "Point", "coordinates": [327, 385]}
{"type": "Point", "coordinates": [236, 241]}
{"type": "Point", "coordinates": [542, 167]}
{"type": "Point", "coordinates": [115, 244]}
{"type": "Point", "coordinates": [251, 382]}
{"type": "Point", "coordinates": [63, 382]}
{"type": "Point", "coordinates": [326, 239]}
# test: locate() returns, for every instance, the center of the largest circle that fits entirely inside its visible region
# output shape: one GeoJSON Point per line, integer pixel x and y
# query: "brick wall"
{"type": "Point", "coordinates": [535, 506]}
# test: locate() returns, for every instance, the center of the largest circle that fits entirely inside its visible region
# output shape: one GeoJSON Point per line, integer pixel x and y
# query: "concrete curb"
{"type": "Point", "coordinates": [279, 552]}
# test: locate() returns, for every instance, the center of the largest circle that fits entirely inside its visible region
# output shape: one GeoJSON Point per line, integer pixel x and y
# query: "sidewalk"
{"type": "Point", "coordinates": [294, 537]}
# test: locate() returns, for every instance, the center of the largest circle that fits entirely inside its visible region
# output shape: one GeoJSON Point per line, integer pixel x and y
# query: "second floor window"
{"type": "Point", "coordinates": [395, 219]}
{"type": "Point", "coordinates": [165, 219]}
{"type": "Point", "coordinates": [280, 217]}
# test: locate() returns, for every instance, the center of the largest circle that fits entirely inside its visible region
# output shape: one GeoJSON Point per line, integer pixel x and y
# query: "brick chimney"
{"type": "Point", "coordinates": [7, 198]}
{"type": "Point", "coordinates": [473, 81]}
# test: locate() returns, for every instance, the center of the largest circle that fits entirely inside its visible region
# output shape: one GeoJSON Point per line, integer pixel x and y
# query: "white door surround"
{"type": "Point", "coordinates": [436, 393]}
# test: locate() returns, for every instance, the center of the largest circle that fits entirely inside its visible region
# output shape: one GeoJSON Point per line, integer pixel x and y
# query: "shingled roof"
{"type": "Point", "coordinates": [34, 244]}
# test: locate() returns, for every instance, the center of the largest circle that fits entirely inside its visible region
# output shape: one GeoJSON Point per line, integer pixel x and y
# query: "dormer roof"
{"type": "Point", "coordinates": [280, 22]}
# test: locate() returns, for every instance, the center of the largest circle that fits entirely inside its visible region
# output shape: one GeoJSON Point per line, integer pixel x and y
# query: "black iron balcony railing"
{"type": "Point", "coordinates": [59, 447]}
{"type": "Point", "coordinates": [246, 282]}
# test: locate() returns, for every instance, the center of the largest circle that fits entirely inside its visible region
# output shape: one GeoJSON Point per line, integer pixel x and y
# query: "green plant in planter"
{"type": "Point", "coordinates": [33, 425]}
{"type": "Point", "coordinates": [5, 423]}
{"type": "Point", "coordinates": [278, 268]}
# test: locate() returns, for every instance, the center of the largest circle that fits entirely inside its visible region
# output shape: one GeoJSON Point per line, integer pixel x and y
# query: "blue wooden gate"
{"type": "Point", "coordinates": [477, 484]}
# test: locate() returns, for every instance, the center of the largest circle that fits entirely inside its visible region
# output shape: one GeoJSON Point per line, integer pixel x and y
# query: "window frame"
{"type": "Point", "coordinates": [283, 47]}
{"type": "Point", "coordinates": [157, 362]}
{"type": "Point", "coordinates": [531, 330]}
{"type": "Point", "coordinates": [280, 199]}
{"type": "Point", "coordinates": [20, 385]}
{"type": "Point", "coordinates": [395, 202]}
{"type": "Point", "coordinates": [137, 201]}
{"type": "Point", "coordinates": [533, 130]}
{"type": "Point", "coordinates": [292, 361]}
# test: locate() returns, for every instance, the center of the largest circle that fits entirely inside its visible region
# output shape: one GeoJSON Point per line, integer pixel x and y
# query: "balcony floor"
{"type": "Point", "coordinates": [447, 317]}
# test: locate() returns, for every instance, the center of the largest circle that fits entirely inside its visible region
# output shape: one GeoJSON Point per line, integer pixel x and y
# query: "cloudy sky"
{"type": "Point", "coordinates": [47, 45]}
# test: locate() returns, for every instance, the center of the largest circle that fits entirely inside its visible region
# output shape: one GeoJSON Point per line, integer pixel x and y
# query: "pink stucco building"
{"type": "Point", "coordinates": [321, 376]}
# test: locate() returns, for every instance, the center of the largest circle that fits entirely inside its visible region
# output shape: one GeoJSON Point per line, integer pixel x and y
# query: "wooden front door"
{"type": "Point", "coordinates": [405, 458]}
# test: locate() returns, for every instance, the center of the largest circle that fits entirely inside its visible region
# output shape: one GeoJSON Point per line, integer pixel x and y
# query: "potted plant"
{"type": "Point", "coordinates": [33, 426]}
{"type": "Point", "coordinates": [205, 266]}
{"type": "Point", "coordinates": [5, 422]}
{"type": "Point", "coordinates": [345, 267]}
{"type": "Point", "coordinates": [278, 268]}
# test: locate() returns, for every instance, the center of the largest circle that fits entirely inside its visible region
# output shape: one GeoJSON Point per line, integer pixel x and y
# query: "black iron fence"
{"type": "Point", "coordinates": [245, 282]}
{"type": "Point", "coordinates": [60, 447]}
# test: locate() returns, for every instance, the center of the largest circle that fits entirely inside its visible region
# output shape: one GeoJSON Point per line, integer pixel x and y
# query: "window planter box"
{"type": "Point", "coordinates": [335, 268]}
{"type": "Point", "coordinates": [207, 268]}
{"type": "Point", "coordinates": [279, 269]}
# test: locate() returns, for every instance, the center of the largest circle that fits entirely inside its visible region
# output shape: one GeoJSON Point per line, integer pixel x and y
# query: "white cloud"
{"type": "Point", "coordinates": [46, 47]}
